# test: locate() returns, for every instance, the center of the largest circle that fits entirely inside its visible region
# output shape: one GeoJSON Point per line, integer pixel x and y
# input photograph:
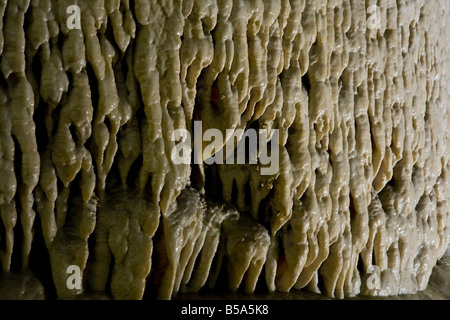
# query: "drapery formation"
{"type": "Point", "coordinates": [86, 117]}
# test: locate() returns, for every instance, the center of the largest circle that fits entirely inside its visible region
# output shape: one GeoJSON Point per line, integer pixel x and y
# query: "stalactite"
{"type": "Point", "coordinates": [86, 123]}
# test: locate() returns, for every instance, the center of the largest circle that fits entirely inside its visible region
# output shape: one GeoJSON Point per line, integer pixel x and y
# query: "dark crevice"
{"type": "Point", "coordinates": [41, 132]}
{"type": "Point", "coordinates": [60, 40]}
{"type": "Point", "coordinates": [107, 122]}
{"type": "Point", "coordinates": [222, 281]}
{"type": "Point", "coordinates": [213, 184]}
{"type": "Point", "coordinates": [73, 132]}
{"type": "Point", "coordinates": [234, 193]}
{"type": "Point", "coordinates": [109, 280]}
{"type": "Point", "coordinates": [113, 177]}
{"type": "Point", "coordinates": [248, 194]}
{"type": "Point", "coordinates": [55, 117]}
{"type": "Point", "coordinates": [133, 172]}
{"type": "Point", "coordinates": [320, 284]}
{"type": "Point", "coordinates": [196, 177]}
{"type": "Point", "coordinates": [360, 266]}
{"type": "Point", "coordinates": [40, 261]}
{"type": "Point", "coordinates": [352, 208]}
{"type": "Point", "coordinates": [36, 65]}
{"type": "Point", "coordinates": [265, 211]}
{"type": "Point", "coordinates": [306, 82]}
{"type": "Point", "coordinates": [109, 35]}
{"type": "Point", "coordinates": [3, 82]}
{"type": "Point", "coordinates": [158, 266]}
{"type": "Point", "coordinates": [71, 83]}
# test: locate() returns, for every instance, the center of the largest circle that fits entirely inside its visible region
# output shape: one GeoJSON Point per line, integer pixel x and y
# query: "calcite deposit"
{"type": "Point", "coordinates": [358, 91]}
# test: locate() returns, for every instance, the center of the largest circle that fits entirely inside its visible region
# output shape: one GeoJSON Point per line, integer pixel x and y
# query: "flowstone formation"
{"type": "Point", "coordinates": [359, 98]}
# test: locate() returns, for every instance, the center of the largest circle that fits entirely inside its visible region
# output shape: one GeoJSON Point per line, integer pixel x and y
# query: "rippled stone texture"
{"type": "Point", "coordinates": [87, 116]}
